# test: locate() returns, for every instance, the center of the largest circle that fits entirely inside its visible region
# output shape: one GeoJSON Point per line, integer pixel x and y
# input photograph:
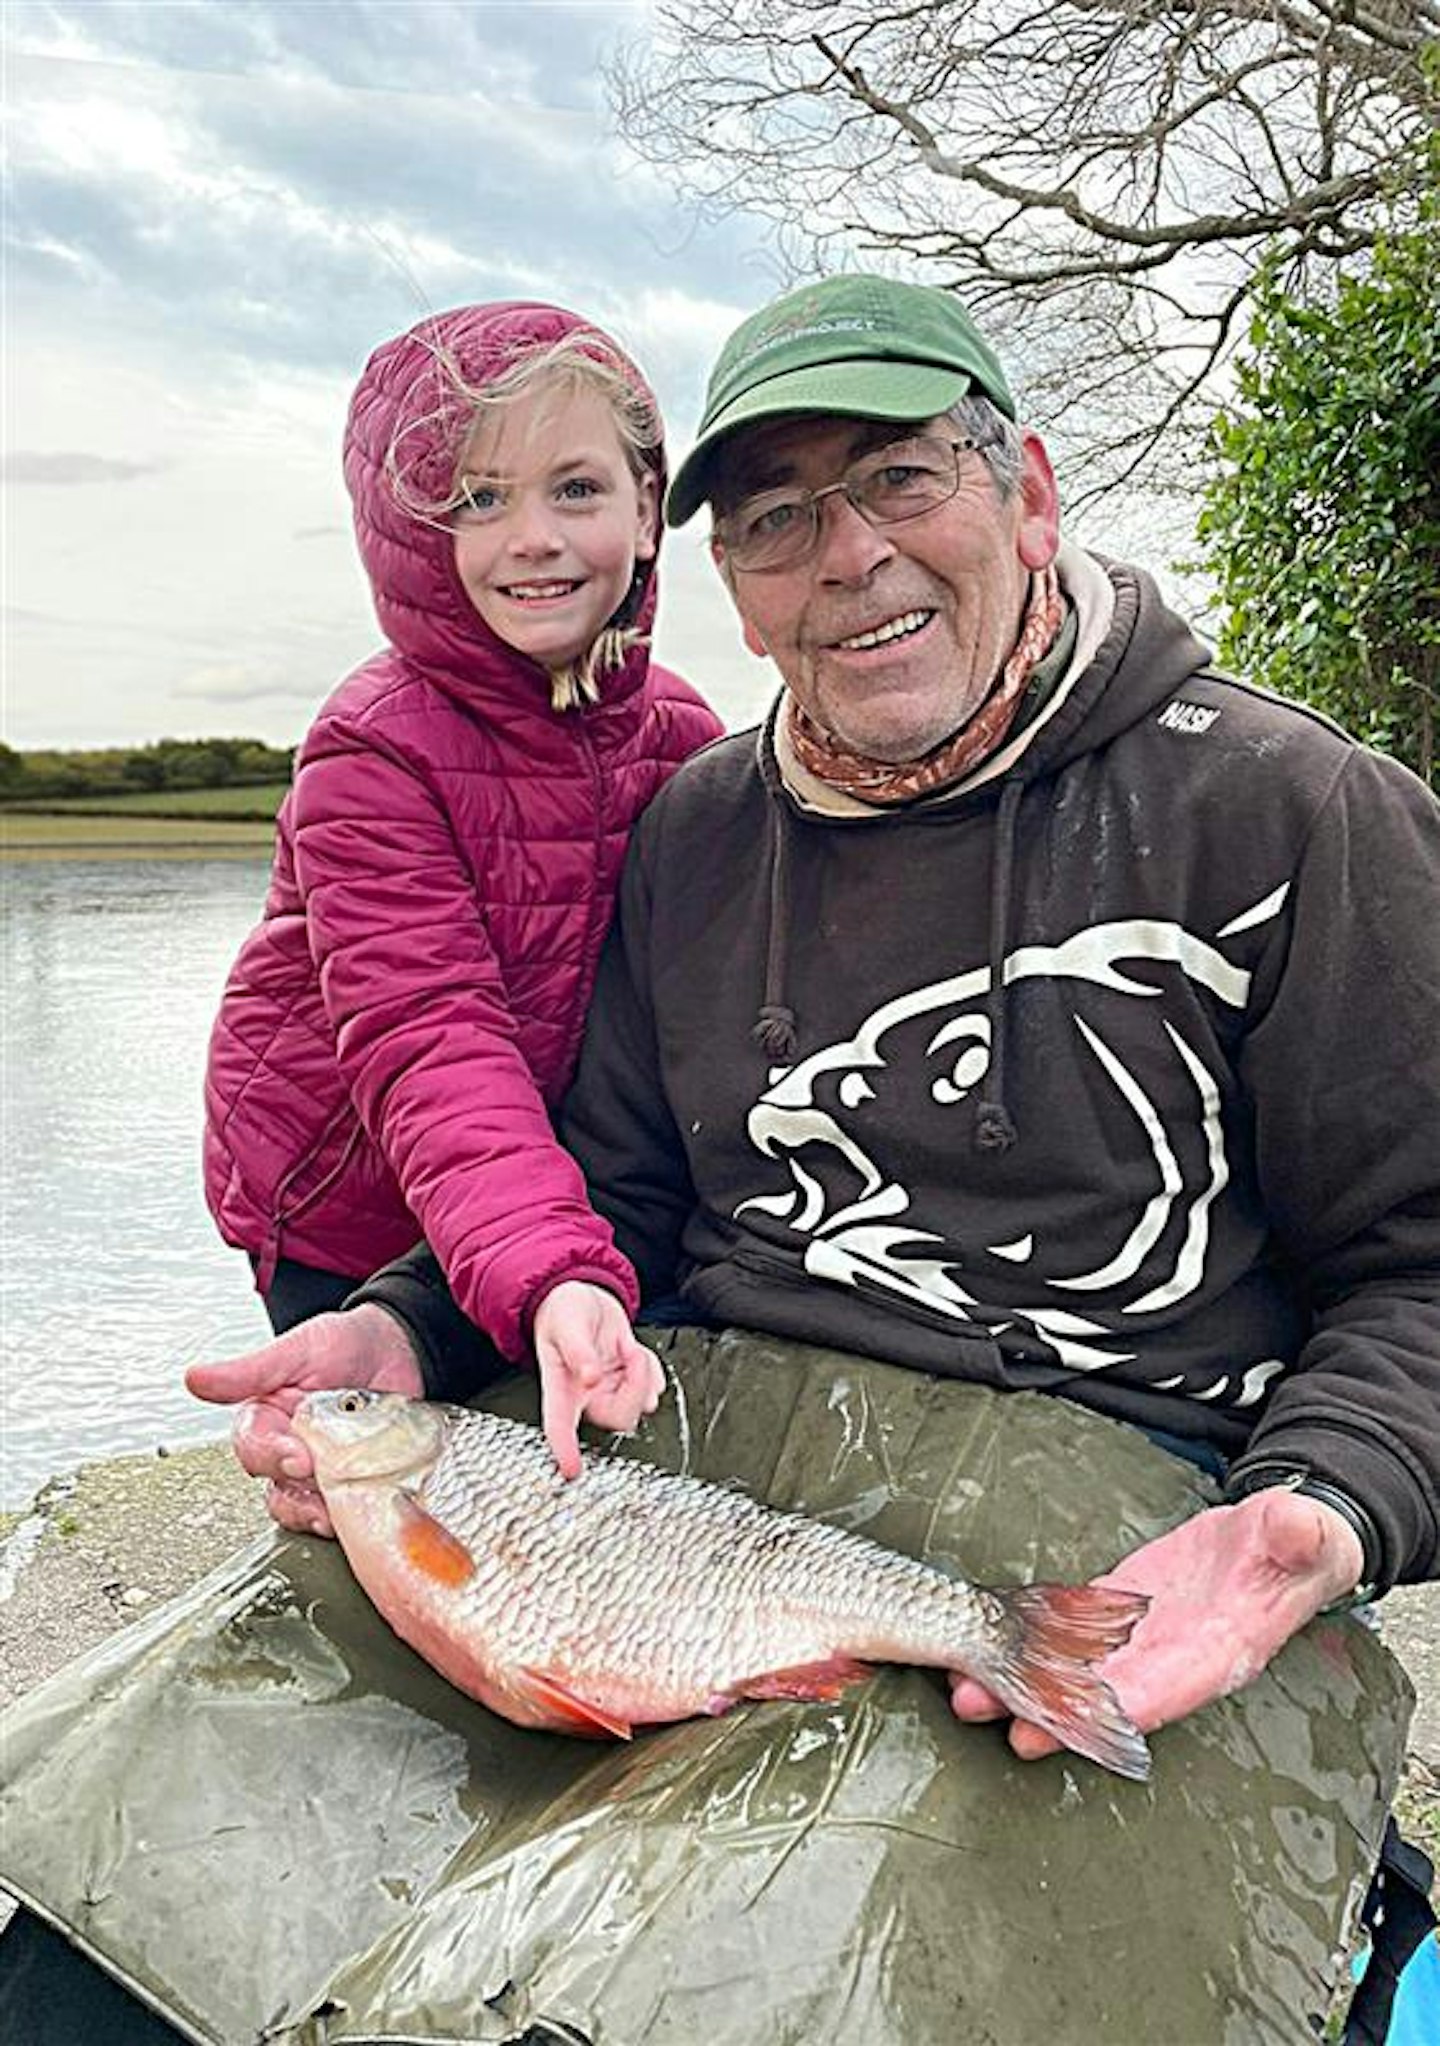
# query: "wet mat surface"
{"type": "Point", "coordinates": [283, 1825]}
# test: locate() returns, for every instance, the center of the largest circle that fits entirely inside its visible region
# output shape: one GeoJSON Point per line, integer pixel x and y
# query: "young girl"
{"type": "Point", "coordinates": [397, 1031]}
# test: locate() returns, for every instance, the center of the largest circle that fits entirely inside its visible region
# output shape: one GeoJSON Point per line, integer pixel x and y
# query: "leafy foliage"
{"type": "Point", "coordinates": [1321, 516]}
{"type": "Point", "coordinates": [124, 771]}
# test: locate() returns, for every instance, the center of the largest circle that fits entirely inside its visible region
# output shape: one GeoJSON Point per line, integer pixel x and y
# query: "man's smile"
{"type": "Point", "coordinates": [903, 626]}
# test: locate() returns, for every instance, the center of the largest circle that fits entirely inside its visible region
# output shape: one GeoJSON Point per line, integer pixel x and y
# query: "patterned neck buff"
{"type": "Point", "coordinates": [886, 781]}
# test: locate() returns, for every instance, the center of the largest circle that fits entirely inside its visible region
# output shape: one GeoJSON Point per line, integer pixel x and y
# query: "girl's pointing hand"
{"type": "Point", "coordinates": [591, 1363]}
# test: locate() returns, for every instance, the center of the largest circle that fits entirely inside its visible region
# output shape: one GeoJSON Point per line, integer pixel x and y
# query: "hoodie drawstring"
{"type": "Point", "coordinates": [774, 1029]}
{"type": "Point", "coordinates": [994, 1125]}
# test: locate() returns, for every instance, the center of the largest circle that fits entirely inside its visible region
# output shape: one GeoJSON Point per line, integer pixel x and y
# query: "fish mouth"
{"type": "Point", "coordinates": [904, 625]}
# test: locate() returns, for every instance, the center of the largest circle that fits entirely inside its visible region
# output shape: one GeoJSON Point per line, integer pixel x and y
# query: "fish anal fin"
{"type": "Point", "coordinates": [431, 1548]}
{"type": "Point", "coordinates": [555, 1704]}
{"type": "Point", "coordinates": [807, 1680]}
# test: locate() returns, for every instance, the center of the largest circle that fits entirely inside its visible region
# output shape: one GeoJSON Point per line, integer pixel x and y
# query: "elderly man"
{"type": "Point", "coordinates": [1027, 1002]}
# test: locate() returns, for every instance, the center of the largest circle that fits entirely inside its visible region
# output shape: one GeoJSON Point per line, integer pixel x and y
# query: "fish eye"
{"type": "Point", "coordinates": [350, 1402]}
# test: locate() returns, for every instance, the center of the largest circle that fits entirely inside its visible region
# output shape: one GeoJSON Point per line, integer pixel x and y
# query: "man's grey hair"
{"type": "Point", "coordinates": [998, 440]}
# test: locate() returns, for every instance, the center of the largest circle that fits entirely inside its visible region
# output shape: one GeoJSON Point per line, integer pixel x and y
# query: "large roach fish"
{"type": "Point", "coordinates": [630, 1596]}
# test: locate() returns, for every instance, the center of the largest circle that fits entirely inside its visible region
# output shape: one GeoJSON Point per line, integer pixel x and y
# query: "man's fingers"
{"type": "Point", "coordinates": [243, 1378]}
{"type": "Point", "coordinates": [1227, 1589]}
{"type": "Point", "coordinates": [364, 1346]}
{"type": "Point", "coordinates": [1032, 1743]}
{"type": "Point", "coordinates": [299, 1508]}
{"type": "Point", "coordinates": [278, 1363]}
{"type": "Point", "coordinates": [972, 1702]}
{"type": "Point", "coordinates": [265, 1445]}
{"type": "Point", "coordinates": [239, 1378]}
{"type": "Point", "coordinates": [977, 1706]}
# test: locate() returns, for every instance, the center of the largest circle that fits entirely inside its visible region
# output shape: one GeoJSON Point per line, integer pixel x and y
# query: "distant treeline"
{"type": "Point", "coordinates": [166, 765]}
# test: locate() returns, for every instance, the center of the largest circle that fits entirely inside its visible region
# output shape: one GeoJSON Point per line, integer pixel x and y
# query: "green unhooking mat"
{"type": "Point", "coordinates": [272, 1822]}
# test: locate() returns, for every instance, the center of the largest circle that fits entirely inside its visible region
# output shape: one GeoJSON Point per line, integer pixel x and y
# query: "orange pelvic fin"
{"type": "Point", "coordinates": [1044, 1674]}
{"type": "Point", "coordinates": [557, 1704]}
{"type": "Point", "coordinates": [431, 1547]}
{"type": "Point", "coordinates": [806, 1680]}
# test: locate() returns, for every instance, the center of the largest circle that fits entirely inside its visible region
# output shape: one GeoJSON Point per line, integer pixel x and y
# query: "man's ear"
{"type": "Point", "coordinates": [1038, 540]}
{"type": "Point", "coordinates": [754, 643]}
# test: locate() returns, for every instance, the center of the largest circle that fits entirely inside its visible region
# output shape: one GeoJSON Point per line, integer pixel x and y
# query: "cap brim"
{"type": "Point", "coordinates": [863, 390]}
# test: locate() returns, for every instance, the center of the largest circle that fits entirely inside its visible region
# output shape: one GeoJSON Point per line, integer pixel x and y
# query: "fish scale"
{"type": "Point", "coordinates": [632, 1595]}
{"type": "Point", "coordinates": [641, 1549]}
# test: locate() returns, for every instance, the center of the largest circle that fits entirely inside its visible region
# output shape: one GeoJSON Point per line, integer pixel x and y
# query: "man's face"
{"type": "Point", "coordinates": [945, 592]}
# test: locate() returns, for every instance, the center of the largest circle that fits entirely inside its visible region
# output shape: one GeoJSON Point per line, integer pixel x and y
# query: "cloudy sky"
{"type": "Point", "coordinates": [215, 209]}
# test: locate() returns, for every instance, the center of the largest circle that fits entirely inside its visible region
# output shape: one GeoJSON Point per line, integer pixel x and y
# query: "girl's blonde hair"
{"type": "Point", "coordinates": [582, 361]}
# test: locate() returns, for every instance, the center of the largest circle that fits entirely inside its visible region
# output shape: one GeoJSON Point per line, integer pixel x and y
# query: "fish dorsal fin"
{"type": "Point", "coordinates": [564, 1709]}
{"type": "Point", "coordinates": [431, 1548]}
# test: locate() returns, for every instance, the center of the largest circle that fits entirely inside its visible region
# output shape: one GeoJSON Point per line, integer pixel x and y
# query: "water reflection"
{"type": "Point", "coordinates": [113, 1275]}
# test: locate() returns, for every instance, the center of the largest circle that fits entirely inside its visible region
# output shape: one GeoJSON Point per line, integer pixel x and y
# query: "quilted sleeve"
{"type": "Point", "coordinates": [427, 1044]}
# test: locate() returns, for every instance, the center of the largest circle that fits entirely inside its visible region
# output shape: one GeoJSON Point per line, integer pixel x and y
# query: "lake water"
{"type": "Point", "coordinates": [113, 1276]}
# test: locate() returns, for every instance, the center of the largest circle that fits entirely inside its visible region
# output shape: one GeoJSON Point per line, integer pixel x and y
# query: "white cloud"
{"type": "Point", "coordinates": [215, 213]}
{"type": "Point", "coordinates": [17, 465]}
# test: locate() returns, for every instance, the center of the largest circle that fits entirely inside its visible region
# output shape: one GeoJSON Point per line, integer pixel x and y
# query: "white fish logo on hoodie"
{"type": "Point", "coordinates": [855, 1211]}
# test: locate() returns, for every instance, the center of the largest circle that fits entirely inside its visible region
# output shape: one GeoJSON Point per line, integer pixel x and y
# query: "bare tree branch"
{"type": "Point", "coordinates": [1053, 160]}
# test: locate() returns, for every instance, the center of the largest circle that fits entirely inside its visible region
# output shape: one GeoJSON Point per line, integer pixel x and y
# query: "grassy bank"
{"type": "Point", "coordinates": [247, 803]}
{"type": "Point", "coordinates": [129, 834]}
{"type": "Point", "coordinates": [152, 824]}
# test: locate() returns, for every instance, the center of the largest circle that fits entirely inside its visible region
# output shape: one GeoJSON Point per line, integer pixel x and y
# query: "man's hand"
{"type": "Point", "coordinates": [590, 1363]}
{"type": "Point", "coordinates": [1227, 1590]}
{"type": "Point", "coordinates": [365, 1347]}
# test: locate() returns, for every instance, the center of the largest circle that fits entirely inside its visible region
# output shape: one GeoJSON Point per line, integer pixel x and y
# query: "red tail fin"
{"type": "Point", "coordinates": [1044, 1674]}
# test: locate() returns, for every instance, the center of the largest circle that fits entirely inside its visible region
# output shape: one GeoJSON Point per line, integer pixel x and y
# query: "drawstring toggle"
{"type": "Point", "coordinates": [994, 1127]}
{"type": "Point", "coordinates": [775, 1031]}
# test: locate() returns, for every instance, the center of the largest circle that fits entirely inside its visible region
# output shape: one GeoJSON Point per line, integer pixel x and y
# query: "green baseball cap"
{"type": "Point", "coordinates": [858, 345]}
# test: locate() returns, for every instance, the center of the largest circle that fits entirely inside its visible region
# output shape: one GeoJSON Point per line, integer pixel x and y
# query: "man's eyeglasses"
{"type": "Point", "coordinates": [903, 480]}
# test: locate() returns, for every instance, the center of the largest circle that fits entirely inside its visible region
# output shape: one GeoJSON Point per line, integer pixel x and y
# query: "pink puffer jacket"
{"type": "Point", "coordinates": [395, 1034]}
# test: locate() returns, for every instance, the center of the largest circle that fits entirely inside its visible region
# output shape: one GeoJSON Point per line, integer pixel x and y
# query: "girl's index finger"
{"type": "Point", "coordinates": [561, 1407]}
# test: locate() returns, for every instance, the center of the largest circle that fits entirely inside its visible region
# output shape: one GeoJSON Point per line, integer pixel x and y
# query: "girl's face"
{"type": "Point", "coordinates": [551, 523]}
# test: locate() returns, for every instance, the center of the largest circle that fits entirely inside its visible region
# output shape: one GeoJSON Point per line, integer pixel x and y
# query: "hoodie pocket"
{"type": "Point", "coordinates": [317, 1170]}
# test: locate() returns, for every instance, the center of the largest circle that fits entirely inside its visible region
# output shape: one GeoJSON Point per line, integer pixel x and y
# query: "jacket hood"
{"type": "Point", "coordinates": [1145, 655]}
{"type": "Point", "coordinates": [407, 401]}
